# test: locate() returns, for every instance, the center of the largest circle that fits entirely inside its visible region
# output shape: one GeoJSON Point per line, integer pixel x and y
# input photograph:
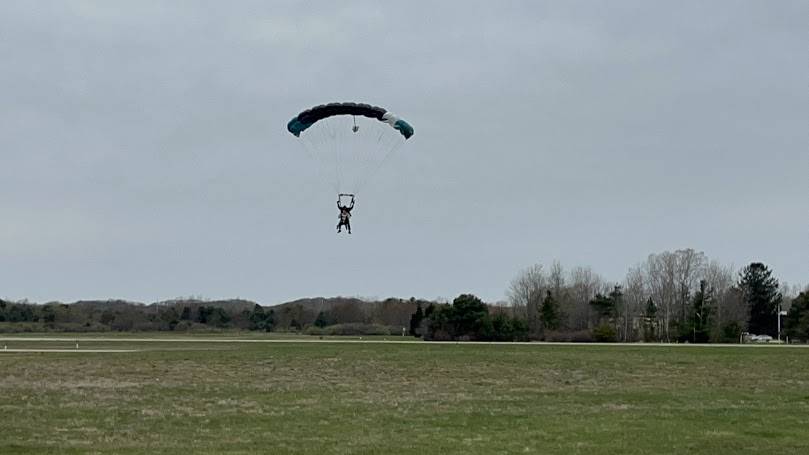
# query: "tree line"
{"type": "Point", "coordinates": [679, 296]}
{"type": "Point", "coordinates": [337, 316]}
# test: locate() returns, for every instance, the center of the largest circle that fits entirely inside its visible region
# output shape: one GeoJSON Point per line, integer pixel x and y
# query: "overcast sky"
{"type": "Point", "coordinates": [144, 152]}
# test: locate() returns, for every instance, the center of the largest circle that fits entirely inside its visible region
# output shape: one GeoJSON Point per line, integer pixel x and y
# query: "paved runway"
{"type": "Point", "coordinates": [74, 351]}
{"type": "Point", "coordinates": [372, 341]}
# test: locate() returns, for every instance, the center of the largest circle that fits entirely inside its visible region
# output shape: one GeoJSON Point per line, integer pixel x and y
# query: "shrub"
{"type": "Point", "coordinates": [604, 333]}
{"type": "Point", "coordinates": [731, 332]}
{"type": "Point", "coordinates": [315, 331]}
{"type": "Point", "coordinates": [19, 327]}
{"type": "Point", "coordinates": [184, 326]}
{"type": "Point", "coordinates": [357, 329]}
{"type": "Point", "coordinates": [574, 336]}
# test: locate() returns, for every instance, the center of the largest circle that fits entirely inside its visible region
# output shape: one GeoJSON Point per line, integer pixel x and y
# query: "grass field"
{"type": "Point", "coordinates": [417, 398]}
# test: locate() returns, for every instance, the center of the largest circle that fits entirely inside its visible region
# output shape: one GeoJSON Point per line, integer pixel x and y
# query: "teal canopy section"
{"type": "Point", "coordinates": [296, 127]}
{"type": "Point", "coordinates": [404, 128]}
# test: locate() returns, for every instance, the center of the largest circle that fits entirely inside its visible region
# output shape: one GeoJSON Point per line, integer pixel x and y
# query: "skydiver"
{"type": "Point", "coordinates": [345, 214]}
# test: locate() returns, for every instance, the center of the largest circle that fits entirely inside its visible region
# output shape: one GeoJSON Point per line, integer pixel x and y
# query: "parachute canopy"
{"type": "Point", "coordinates": [349, 142]}
{"type": "Point", "coordinates": [309, 117]}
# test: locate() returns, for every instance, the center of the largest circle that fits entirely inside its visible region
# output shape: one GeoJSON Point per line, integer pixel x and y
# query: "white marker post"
{"type": "Point", "coordinates": [780, 313]}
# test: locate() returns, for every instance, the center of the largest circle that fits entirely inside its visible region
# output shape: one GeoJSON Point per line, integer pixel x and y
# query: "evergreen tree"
{"type": "Point", "coordinates": [257, 318]}
{"type": "Point", "coordinates": [467, 314]}
{"type": "Point", "coordinates": [796, 322]}
{"type": "Point", "coordinates": [466, 318]}
{"type": "Point", "coordinates": [519, 329]}
{"type": "Point", "coordinates": [549, 312]}
{"type": "Point", "coordinates": [760, 290]}
{"type": "Point", "coordinates": [203, 313]}
{"type": "Point", "coordinates": [269, 320]}
{"type": "Point", "coordinates": [606, 306]}
{"type": "Point", "coordinates": [415, 320]}
{"type": "Point", "coordinates": [321, 320]}
{"type": "Point", "coordinates": [218, 317]}
{"type": "Point", "coordinates": [48, 314]}
{"type": "Point", "coordinates": [213, 315]}
{"type": "Point", "coordinates": [429, 310]}
{"type": "Point", "coordinates": [169, 317]}
{"type": "Point", "coordinates": [501, 328]}
{"type": "Point", "coordinates": [617, 297]}
{"type": "Point", "coordinates": [731, 332]}
{"type": "Point", "coordinates": [439, 322]}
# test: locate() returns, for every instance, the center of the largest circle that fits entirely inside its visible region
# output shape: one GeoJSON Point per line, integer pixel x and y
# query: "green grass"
{"type": "Point", "coordinates": [417, 398]}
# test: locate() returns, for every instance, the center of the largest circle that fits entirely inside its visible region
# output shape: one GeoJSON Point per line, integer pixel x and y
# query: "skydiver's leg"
{"type": "Point", "coordinates": [348, 226]}
{"type": "Point", "coordinates": [338, 226]}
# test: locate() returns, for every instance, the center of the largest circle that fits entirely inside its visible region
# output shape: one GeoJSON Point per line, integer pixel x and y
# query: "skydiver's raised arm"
{"type": "Point", "coordinates": [352, 203]}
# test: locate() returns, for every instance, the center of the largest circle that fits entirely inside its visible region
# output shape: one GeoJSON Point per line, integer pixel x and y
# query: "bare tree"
{"type": "Point", "coordinates": [635, 298]}
{"type": "Point", "coordinates": [672, 278]}
{"type": "Point", "coordinates": [584, 284]}
{"type": "Point", "coordinates": [725, 304]}
{"type": "Point", "coordinates": [661, 270]}
{"type": "Point", "coordinates": [525, 294]}
{"type": "Point", "coordinates": [689, 267]}
{"type": "Point", "coordinates": [393, 312]}
{"type": "Point", "coordinates": [556, 279]}
{"type": "Point", "coordinates": [669, 279]}
{"type": "Point", "coordinates": [346, 311]}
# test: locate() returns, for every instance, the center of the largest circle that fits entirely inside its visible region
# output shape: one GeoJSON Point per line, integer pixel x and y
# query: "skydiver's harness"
{"type": "Point", "coordinates": [345, 212]}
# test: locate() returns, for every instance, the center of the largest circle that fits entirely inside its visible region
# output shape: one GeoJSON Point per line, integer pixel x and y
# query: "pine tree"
{"type": "Point", "coordinates": [415, 320]}
{"type": "Point", "coordinates": [796, 323]}
{"type": "Point", "coordinates": [269, 320]}
{"type": "Point", "coordinates": [606, 306]}
{"type": "Point", "coordinates": [257, 318]}
{"type": "Point", "coordinates": [760, 290]}
{"type": "Point", "coordinates": [549, 312]}
{"type": "Point", "coordinates": [321, 320]}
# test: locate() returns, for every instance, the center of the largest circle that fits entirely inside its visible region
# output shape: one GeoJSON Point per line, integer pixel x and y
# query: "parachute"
{"type": "Point", "coordinates": [350, 141]}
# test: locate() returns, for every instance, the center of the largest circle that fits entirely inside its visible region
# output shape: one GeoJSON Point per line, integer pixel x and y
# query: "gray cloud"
{"type": "Point", "coordinates": [144, 151]}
